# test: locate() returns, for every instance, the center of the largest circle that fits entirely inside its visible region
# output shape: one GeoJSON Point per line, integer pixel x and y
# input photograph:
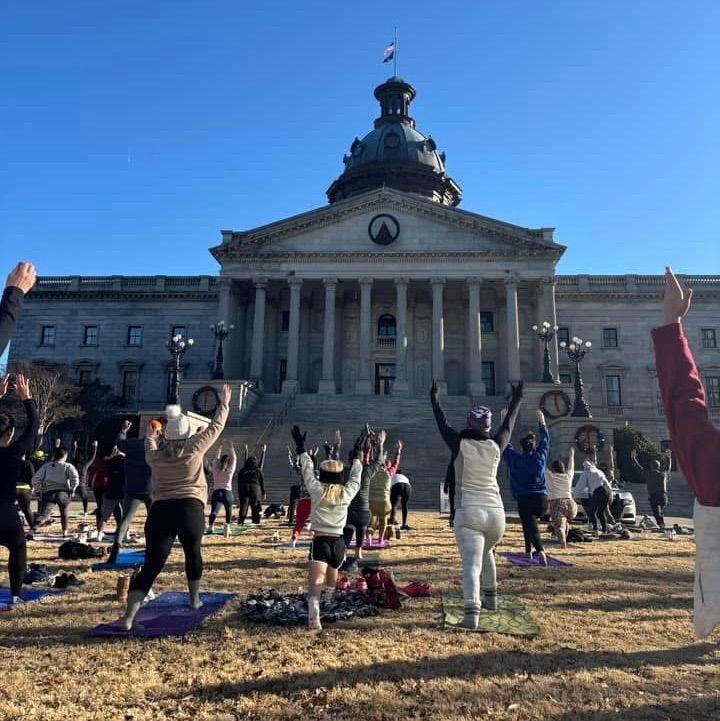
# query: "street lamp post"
{"type": "Point", "coordinates": [221, 332]}
{"type": "Point", "coordinates": [546, 333]}
{"type": "Point", "coordinates": [576, 351]}
{"type": "Point", "coordinates": [178, 347]}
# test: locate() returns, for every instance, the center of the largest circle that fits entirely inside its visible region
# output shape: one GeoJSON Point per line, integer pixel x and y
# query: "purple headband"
{"type": "Point", "coordinates": [480, 418]}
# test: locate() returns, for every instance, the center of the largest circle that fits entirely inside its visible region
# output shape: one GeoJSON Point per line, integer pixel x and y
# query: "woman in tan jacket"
{"type": "Point", "coordinates": [179, 496]}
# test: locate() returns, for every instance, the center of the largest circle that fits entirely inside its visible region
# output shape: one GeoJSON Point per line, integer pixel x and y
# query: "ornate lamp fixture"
{"type": "Point", "coordinates": [576, 351]}
{"type": "Point", "coordinates": [221, 332]}
{"type": "Point", "coordinates": [178, 347]}
{"type": "Point", "coordinates": [546, 333]}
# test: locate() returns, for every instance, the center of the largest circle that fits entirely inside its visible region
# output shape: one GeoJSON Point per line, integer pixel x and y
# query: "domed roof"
{"type": "Point", "coordinates": [395, 154]}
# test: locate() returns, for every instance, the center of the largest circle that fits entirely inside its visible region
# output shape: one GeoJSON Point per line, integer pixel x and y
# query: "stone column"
{"type": "Point", "coordinates": [513, 331]}
{"type": "Point", "coordinates": [400, 386]}
{"type": "Point", "coordinates": [226, 313]}
{"type": "Point", "coordinates": [551, 317]}
{"type": "Point", "coordinates": [258, 336]}
{"type": "Point", "coordinates": [438, 334]}
{"type": "Point", "coordinates": [290, 384]}
{"type": "Point", "coordinates": [477, 386]}
{"type": "Point", "coordinates": [363, 385]}
{"type": "Point", "coordinates": [327, 380]}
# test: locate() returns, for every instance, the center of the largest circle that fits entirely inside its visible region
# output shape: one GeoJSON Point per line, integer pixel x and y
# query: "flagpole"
{"type": "Point", "coordinates": [395, 54]}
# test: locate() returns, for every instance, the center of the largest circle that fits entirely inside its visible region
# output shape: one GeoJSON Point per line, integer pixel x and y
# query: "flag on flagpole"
{"type": "Point", "coordinates": [389, 53]}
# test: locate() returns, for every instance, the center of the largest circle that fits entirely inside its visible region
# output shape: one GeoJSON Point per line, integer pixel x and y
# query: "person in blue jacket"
{"type": "Point", "coordinates": [527, 477]}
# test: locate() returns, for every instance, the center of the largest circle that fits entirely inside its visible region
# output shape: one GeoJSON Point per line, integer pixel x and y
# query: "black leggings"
{"type": "Point", "coordinates": [292, 503]}
{"type": "Point", "coordinates": [357, 524]}
{"type": "Point", "coordinates": [221, 498]}
{"type": "Point", "coordinates": [530, 509]}
{"type": "Point", "coordinates": [22, 498]}
{"type": "Point", "coordinates": [598, 505]}
{"type": "Point", "coordinates": [249, 497]}
{"type": "Point", "coordinates": [48, 500]}
{"type": "Point", "coordinates": [182, 518]}
{"type": "Point", "coordinates": [658, 501]}
{"type": "Point", "coordinates": [399, 496]}
{"type": "Point", "coordinates": [12, 537]}
{"type": "Point", "coordinates": [82, 492]}
{"type": "Point", "coordinates": [99, 494]}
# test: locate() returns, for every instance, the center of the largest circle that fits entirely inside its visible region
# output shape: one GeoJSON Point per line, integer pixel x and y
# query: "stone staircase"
{"type": "Point", "coordinates": [425, 456]}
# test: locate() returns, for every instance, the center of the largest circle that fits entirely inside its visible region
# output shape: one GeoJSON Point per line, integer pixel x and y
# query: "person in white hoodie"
{"type": "Point", "coordinates": [56, 482]}
{"type": "Point", "coordinates": [561, 504]}
{"type": "Point", "coordinates": [600, 492]}
{"type": "Point", "coordinates": [330, 496]}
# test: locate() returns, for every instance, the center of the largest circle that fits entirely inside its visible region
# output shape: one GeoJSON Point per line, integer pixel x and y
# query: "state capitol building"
{"type": "Point", "coordinates": [386, 287]}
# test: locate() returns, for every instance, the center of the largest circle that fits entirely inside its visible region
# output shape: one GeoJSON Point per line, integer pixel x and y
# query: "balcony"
{"type": "Point", "coordinates": [385, 341]}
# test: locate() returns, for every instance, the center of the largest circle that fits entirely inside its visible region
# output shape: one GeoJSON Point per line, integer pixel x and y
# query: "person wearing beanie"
{"type": "Point", "coordinates": [138, 481]}
{"type": "Point", "coordinates": [527, 482]}
{"type": "Point", "coordinates": [330, 496]}
{"type": "Point", "coordinates": [656, 479]}
{"type": "Point", "coordinates": [56, 482]}
{"type": "Point", "coordinates": [561, 505]}
{"type": "Point", "coordinates": [179, 496]}
{"type": "Point", "coordinates": [480, 513]}
{"type": "Point", "coordinates": [223, 471]}
{"type": "Point", "coordinates": [696, 445]}
{"type": "Point", "coordinates": [12, 450]}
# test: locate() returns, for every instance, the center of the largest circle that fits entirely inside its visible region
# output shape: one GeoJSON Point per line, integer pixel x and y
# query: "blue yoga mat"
{"type": "Point", "coordinates": [126, 559]}
{"type": "Point", "coordinates": [167, 615]}
{"type": "Point", "coordinates": [28, 596]}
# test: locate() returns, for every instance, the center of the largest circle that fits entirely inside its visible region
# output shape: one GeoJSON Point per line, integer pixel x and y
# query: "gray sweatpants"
{"type": "Point", "coordinates": [477, 531]}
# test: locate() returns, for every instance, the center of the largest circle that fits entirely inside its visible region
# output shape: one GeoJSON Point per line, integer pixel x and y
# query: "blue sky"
{"type": "Point", "coordinates": [134, 131]}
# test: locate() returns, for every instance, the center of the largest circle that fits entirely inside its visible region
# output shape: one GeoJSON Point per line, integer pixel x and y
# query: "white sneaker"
{"type": "Point", "coordinates": [100, 536]}
{"type": "Point", "coordinates": [93, 536]}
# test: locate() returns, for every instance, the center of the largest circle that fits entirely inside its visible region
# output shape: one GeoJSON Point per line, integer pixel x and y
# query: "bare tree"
{"type": "Point", "coordinates": [55, 397]}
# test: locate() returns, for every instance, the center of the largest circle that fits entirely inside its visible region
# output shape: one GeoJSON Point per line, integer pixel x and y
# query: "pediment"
{"type": "Point", "coordinates": [420, 226]}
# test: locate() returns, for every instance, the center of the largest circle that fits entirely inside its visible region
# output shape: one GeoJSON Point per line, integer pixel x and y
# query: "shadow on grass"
{"type": "Point", "coordinates": [462, 666]}
{"type": "Point", "coordinates": [697, 709]}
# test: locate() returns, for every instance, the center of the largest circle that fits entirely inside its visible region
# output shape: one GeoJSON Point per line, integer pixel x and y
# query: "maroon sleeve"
{"type": "Point", "coordinates": [695, 440]}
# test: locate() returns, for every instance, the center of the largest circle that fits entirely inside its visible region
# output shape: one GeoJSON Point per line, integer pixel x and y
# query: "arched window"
{"type": "Point", "coordinates": [386, 326]}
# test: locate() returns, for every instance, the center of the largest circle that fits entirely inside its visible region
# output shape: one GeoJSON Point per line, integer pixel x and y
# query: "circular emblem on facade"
{"type": "Point", "coordinates": [383, 229]}
{"type": "Point", "coordinates": [588, 437]}
{"type": "Point", "coordinates": [555, 404]}
{"type": "Point", "coordinates": [205, 400]}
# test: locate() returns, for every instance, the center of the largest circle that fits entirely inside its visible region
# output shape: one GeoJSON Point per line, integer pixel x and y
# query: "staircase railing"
{"type": "Point", "coordinates": [276, 420]}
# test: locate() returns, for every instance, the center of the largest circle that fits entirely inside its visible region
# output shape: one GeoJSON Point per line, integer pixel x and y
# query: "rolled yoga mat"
{"type": "Point", "coordinates": [511, 617]}
{"type": "Point", "coordinates": [167, 615]}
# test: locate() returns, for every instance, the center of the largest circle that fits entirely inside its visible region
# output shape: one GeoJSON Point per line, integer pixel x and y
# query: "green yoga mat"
{"type": "Point", "coordinates": [511, 618]}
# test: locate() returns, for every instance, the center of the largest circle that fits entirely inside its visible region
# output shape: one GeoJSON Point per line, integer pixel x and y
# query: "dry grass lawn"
{"type": "Point", "coordinates": [617, 643]}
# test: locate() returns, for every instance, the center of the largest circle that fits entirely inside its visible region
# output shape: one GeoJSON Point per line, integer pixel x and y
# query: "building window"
{"type": "Point", "coordinates": [134, 335]}
{"type": "Point", "coordinates": [47, 335]}
{"type": "Point", "coordinates": [129, 389]}
{"type": "Point", "coordinates": [610, 338]}
{"type": "Point", "coordinates": [614, 391]}
{"type": "Point", "coordinates": [85, 377]}
{"type": "Point", "coordinates": [709, 340]}
{"type": "Point", "coordinates": [90, 335]}
{"type": "Point", "coordinates": [566, 378]}
{"type": "Point", "coordinates": [487, 321]}
{"type": "Point", "coordinates": [488, 377]}
{"type": "Point", "coordinates": [563, 334]}
{"type": "Point", "coordinates": [285, 321]}
{"type": "Point", "coordinates": [178, 330]}
{"type": "Point", "coordinates": [386, 326]}
{"type": "Point", "coordinates": [712, 387]}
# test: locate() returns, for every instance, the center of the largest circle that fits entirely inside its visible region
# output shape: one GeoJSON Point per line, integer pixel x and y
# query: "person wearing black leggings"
{"type": "Point", "coordinates": [529, 488]}
{"type": "Point", "coordinates": [56, 481]}
{"type": "Point", "coordinates": [179, 495]}
{"type": "Point", "coordinates": [12, 451]}
{"type": "Point", "coordinates": [251, 490]}
{"type": "Point", "coordinates": [83, 466]}
{"type": "Point", "coordinates": [599, 489]}
{"type": "Point", "coordinates": [400, 492]}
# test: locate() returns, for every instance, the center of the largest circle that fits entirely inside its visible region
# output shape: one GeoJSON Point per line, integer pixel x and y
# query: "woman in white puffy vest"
{"type": "Point", "coordinates": [480, 514]}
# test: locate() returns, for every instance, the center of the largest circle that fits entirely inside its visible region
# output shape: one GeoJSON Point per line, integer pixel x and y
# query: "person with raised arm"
{"type": "Point", "coordinates": [19, 283]}
{"type": "Point", "coordinates": [179, 496]}
{"type": "Point", "coordinates": [696, 446]}
{"type": "Point", "coordinates": [12, 451]}
{"type": "Point", "coordinates": [480, 513]}
{"type": "Point", "coordinates": [656, 477]}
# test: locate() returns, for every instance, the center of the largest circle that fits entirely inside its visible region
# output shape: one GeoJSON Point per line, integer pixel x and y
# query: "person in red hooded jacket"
{"type": "Point", "coordinates": [696, 446]}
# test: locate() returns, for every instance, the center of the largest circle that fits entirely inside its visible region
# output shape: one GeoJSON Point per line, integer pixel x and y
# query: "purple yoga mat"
{"type": "Point", "coordinates": [519, 559]}
{"type": "Point", "coordinates": [167, 615]}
